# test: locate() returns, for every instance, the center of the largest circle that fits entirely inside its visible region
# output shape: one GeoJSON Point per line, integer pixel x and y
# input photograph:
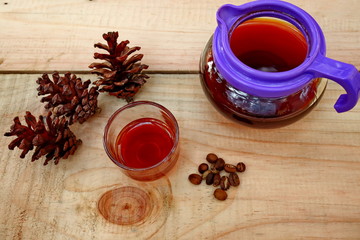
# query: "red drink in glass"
{"type": "Point", "coordinates": [142, 138]}
{"type": "Point", "coordinates": [144, 143]}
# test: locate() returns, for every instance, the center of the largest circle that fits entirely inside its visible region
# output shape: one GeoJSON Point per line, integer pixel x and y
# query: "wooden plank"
{"type": "Point", "coordinates": [302, 181]}
{"type": "Point", "coordinates": [41, 35]}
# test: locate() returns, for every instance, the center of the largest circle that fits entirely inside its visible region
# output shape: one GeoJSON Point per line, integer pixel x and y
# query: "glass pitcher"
{"type": "Point", "coordinates": [265, 65]}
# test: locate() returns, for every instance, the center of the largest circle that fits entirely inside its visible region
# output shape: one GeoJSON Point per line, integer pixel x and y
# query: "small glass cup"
{"type": "Point", "coordinates": [131, 124]}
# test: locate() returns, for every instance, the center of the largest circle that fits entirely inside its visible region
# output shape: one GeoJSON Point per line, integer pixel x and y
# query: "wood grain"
{"type": "Point", "coordinates": [42, 35]}
{"type": "Point", "coordinates": [302, 181]}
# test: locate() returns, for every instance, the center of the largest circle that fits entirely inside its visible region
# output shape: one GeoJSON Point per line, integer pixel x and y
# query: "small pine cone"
{"type": "Point", "coordinates": [119, 74]}
{"type": "Point", "coordinates": [68, 96]}
{"type": "Point", "coordinates": [51, 137]}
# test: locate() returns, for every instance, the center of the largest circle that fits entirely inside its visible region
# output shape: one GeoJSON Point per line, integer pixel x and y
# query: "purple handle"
{"type": "Point", "coordinates": [342, 73]}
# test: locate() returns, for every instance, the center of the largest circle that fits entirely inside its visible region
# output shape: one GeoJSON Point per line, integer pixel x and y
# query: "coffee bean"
{"type": "Point", "coordinates": [210, 178]}
{"type": "Point", "coordinates": [195, 179]}
{"type": "Point", "coordinates": [205, 174]}
{"type": "Point", "coordinates": [229, 168]}
{"type": "Point", "coordinates": [224, 183]}
{"type": "Point", "coordinates": [217, 179]}
{"type": "Point", "coordinates": [241, 167]}
{"type": "Point", "coordinates": [211, 158]}
{"type": "Point", "coordinates": [210, 173]}
{"type": "Point", "coordinates": [203, 167]}
{"type": "Point", "coordinates": [219, 164]}
{"type": "Point", "coordinates": [220, 194]}
{"type": "Point", "coordinates": [234, 179]}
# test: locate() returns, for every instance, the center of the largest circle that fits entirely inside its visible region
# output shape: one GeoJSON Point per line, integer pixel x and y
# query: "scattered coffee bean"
{"type": "Point", "coordinates": [210, 178]}
{"type": "Point", "coordinates": [241, 167]}
{"type": "Point", "coordinates": [234, 179]}
{"type": "Point", "coordinates": [205, 174]}
{"type": "Point", "coordinates": [195, 179]}
{"type": "Point", "coordinates": [203, 167]}
{"type": "Point", "coordinates": [211, 174]}
{"type": "Point", "coordinates": [229, 168]}
{"type": "Point", "coordinates": [211, 158]}
{"type": "Point", "coordinates": [224, 183]}
{"type": "Point", "coordinates": [217, 179]}
{"type": "Point", "coordinates": [219, 164]}
{"type": "Point", "coordinates": [220, 194]}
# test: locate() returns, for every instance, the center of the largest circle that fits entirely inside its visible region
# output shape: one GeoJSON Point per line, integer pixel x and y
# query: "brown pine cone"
{"type": "Point", "coordinates": [68, 96]}
{"type": "Point", "coordinates": [51, 137]}
{"type": "Point", "coordinates": [120, 75]}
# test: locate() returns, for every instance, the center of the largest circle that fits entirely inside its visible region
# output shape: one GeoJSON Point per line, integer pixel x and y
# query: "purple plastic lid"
{"type": "Point", "coordinates": [279, 84]}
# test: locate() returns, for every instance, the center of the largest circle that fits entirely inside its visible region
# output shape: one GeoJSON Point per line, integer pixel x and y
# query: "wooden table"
{"type": "Point", "coordinates": [302, 180]}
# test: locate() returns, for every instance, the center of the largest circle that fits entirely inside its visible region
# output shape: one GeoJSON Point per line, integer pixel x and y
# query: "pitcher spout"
{"type": "Point", "coordinates": [227, 15]}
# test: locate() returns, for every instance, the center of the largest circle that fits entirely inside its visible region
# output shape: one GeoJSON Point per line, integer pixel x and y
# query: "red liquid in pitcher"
{"type": "Point", "coordinates": [269, 45]}
{"type": "Point", "coordinates": [144, 143]}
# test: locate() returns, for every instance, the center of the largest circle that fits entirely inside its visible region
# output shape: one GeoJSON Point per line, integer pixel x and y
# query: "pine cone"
{"type": "Point", "coordinates": [68, 96]}
{"type": "Point", "coordinates": [51, 137]}
{"type": "Point", "coordinates": [120, 74]}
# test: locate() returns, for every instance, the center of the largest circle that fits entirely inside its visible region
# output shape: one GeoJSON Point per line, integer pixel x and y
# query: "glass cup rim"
{"type": "Point", "coordinates": [134, 104]}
